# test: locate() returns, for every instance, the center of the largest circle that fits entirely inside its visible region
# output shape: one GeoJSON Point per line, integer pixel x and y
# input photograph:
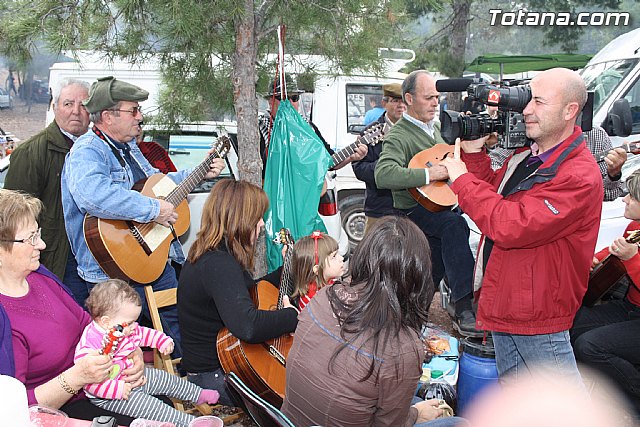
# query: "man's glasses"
{"type": "Point", "coordinates": [33, 238]}
{"type": "Point", "coordinates": [292, 98]}
{"type": "Point", "coordinates": [134, 111]}
{"type": "Point", "coordinates": [395, 100]}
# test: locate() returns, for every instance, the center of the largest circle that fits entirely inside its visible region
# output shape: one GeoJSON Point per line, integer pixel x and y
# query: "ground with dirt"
{"type": "Point", "coordinates": [21, 122]}
{"type": "Point", "coordinates": [25, 123]}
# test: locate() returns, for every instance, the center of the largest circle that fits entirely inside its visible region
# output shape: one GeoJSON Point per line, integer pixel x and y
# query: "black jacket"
{"type": "Point", "coordinates": [378, 202]}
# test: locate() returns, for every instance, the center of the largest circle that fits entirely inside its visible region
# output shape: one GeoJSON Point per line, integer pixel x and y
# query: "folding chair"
{"type": "Point", "coordinates": [157, 300]}
{"type": "Point", "coordinates": [262, 412]}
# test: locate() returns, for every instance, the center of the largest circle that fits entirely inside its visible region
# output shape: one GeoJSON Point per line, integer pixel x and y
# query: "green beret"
{"type": "Point", "coordinates": [107, 92]}
{"type": "Point", "coordinates": [393, 90]}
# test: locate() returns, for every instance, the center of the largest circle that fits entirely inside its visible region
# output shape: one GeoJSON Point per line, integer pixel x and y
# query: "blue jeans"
{"type": "Point", "coordinates": [448, 235]}
{"type": "Point", "coordinates": [79, 288]}
{"type": "Point", "coordinates": [541, 355]}
{"type": "Point", "coordinates": [213, 380]}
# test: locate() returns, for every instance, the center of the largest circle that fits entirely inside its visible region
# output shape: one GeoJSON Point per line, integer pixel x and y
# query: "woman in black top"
{"type": "Point", "coordinates": [215, 282]}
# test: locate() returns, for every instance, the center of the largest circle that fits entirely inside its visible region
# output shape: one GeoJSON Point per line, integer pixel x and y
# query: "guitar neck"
{"type": "Point", "coordinates": [370, 137]}
{"type": "Point", "coordinates": [178, 194]}
{"type": "Point", "coordinates": [285, 281]}
{"type": "Point", "coordinates": [628, 147]}
{"type": "Point", "coordinates": [343, 154]}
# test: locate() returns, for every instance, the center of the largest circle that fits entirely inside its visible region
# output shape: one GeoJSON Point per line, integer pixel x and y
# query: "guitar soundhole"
{"type": "Point", "coordinates": [138, 236]}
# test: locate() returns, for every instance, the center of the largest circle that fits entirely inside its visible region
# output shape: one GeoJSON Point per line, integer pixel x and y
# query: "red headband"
{"type": "Point", "coordinates": [315, 236]}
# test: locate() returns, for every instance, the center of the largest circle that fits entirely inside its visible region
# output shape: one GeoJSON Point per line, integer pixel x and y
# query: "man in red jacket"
{"type": "Point", "coordinates": [538, 215]}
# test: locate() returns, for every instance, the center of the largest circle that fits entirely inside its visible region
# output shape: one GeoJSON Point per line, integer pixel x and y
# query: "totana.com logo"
{"type": "Point", "coordinates": [527, 18]}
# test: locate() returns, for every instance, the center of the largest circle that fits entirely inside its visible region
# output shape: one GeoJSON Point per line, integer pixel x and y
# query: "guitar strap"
{"type": "Point", "coordinates": [136, 170]}
{"type": "Point", "coordinates": [114, 150]}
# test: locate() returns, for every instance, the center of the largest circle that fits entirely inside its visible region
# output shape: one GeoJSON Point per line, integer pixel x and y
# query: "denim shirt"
{"type": "Point", "coordinates": [93, 182]}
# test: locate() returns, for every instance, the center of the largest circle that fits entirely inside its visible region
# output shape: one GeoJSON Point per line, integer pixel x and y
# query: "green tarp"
{"type": "Point", "coordinates": [296, 165]}
{"type": "Point", "coordinates": [511, 64]}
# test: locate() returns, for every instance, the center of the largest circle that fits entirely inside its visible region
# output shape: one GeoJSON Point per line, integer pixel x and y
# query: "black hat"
{"type": "Point", "coordinates": [292, 87]}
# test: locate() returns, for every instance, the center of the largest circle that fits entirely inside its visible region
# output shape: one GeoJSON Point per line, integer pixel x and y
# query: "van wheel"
{"type": "Point", "coordinates": [353, 220]}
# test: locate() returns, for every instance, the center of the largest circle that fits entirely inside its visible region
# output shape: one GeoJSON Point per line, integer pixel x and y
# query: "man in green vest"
{"type": "Point", "coordinates": [447, 231]}
{"type": "Point", "coordinates": [35, 168]}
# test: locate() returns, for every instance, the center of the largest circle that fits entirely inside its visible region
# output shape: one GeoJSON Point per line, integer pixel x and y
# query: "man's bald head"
{"type": "Point", "coordinates": [571, 84]}
{"type": "Point", "coordinates": [558, 96]}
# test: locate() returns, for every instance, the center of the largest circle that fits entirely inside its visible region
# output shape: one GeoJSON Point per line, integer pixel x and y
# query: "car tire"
{"type": "Point", "coordinates": [353, 219]}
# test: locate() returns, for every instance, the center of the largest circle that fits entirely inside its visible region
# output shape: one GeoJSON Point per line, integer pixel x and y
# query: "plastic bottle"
{"type": "Point", "coordinates": [3, 145]}
{"type": "Point", "coordinates": [438, 388]}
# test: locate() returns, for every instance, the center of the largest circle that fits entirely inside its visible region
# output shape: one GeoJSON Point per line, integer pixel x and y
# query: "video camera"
{"type": "Point", "coordinates": [511, 98]}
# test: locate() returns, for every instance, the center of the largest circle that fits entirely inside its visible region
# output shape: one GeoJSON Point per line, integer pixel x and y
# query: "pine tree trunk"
{"type": "Point", "coordinates": [460, 29]}
{"type": "Point", "coordinates": [246, 106]}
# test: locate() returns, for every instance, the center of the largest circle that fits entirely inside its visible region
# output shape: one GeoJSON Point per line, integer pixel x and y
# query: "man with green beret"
{"type": "Point", "coordinates": [99, 174]}
{"type": "Point", "coordinates": [379, 202]}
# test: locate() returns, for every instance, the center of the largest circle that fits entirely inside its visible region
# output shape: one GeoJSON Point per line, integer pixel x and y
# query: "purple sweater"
{"type": "Point", "coordinates": [46, 325]}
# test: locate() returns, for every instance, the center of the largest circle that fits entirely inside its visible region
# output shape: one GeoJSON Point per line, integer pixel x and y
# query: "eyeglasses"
{"type": "Point", "coordinates": [292, 98]}
{"type": "Point", "coordinates": [134, 111]}
{"type": "Point", "coordinates": [33, 238]}
{"type": "Point", "coordinates": [395, 100]}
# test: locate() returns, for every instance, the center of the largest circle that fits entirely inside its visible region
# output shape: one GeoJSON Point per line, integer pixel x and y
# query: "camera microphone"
{"type": "Point", "coordinates": [453, 85]}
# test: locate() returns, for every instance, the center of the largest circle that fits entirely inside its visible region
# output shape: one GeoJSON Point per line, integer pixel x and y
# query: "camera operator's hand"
{"type": "Point", "coordinates": [614, 160]}
{"type": "Point", "coordinates": [455, 166]}
{"type": "Point", "coordinates": [475, 145]}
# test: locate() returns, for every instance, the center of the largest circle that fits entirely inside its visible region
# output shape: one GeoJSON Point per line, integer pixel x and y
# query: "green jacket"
{"type": "Point", "coordinates": [35, 168]}
{"type": "Point", "coordinates": [403, 141]}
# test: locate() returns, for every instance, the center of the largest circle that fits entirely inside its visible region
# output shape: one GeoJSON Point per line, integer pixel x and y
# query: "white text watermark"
{"type": "Point", "coordinates": [527, 18]}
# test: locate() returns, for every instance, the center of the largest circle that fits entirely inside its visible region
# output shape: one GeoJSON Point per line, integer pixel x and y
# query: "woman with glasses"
{"type": "Point", "coordinates": [41, 323]}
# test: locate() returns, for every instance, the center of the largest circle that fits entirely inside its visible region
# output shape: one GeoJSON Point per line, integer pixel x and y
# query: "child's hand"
{"type": "Point", "coordinates": [167, 348]}
{"type": "Point", "coordinates": [287, 304]}
{"type": "Point", "coordinates": [127, 391]}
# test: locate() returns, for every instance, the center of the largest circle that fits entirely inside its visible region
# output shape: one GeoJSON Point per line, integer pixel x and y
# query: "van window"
{"type": "Point", "coordinates": [359, 99]}
{"type": "Point", "coordinates": [188, 149]}
{"type": "Point", "coordinates": [604, 78]}
{"type": "Point", "coordinates": [633, 96]}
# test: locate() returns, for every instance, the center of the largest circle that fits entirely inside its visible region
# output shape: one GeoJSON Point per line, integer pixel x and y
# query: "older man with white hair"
{"type": "Point", "coordinates": [36, 166]}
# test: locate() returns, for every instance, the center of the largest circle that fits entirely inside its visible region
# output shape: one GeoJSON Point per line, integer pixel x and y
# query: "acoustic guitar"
{"type": "Point", "coordinates": [262, 366]}
{"type": "Point", "coordinates": [437, 195]}
{"type": "Point", "coordinates": [371, 137]}
{"type": "Point", "coordinates": [138, 251]}
{"type": "Point", "coordinates": [606, 274]}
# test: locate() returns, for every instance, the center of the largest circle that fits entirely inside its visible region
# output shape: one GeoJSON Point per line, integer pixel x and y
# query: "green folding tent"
{"type": "Point", "coordinates": [510, 64]}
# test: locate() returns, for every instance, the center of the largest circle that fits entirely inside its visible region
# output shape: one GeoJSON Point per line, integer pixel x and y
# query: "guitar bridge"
{"type": "Point", "coordinates": [138, 236]}
{"type": "Point", "coordinates": [277, 355]}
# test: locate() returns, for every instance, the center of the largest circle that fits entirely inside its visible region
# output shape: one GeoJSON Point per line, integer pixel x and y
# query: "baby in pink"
{"type": "Point", "coordinates": [115, 306]}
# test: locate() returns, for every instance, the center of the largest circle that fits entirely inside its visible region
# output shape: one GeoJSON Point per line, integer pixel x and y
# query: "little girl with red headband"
{"type": "Point", "coordinates": [315, 263]}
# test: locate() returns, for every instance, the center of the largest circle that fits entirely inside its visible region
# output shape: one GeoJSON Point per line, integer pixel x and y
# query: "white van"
{"type": "Point", "coordinates": [186, 147]}
{"type": "Point", "coordinates": [614, 73]}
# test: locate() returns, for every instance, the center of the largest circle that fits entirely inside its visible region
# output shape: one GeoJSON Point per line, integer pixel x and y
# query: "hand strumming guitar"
{"type": "Point", "coordinates": [614, 160]}
{"type": "Point", "coordinates": [167, 215]}
{"type": "Point", "coordinates": [623, 249]}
